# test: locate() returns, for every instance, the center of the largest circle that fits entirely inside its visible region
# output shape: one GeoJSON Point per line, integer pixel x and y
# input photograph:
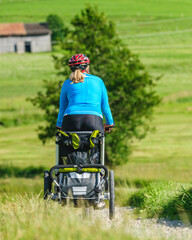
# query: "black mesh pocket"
{"type": "Point", "coordinates": [78, 157]}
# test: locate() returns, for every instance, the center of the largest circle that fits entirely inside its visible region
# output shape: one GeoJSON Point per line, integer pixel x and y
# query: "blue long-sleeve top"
{"type": "Point", "coordinates": [88, 97]}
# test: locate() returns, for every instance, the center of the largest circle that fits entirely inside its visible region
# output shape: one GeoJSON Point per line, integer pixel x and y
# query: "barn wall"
{"type": "Point", "coordinates": [17, 43]}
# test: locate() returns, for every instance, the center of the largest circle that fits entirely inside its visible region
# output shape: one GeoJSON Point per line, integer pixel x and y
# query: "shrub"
{"type": "Point", "coordinates": [56, 25]}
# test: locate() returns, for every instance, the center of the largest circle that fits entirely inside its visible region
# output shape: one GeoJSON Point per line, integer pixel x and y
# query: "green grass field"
{"type": "Point", "coordinates": [21, 76]}
{"type": "Point", "coordinates": [165, 153]}
{"type": "Point", "coordinates": [122, 10]}
{"type": "Point", "coordinates": [159, 31]}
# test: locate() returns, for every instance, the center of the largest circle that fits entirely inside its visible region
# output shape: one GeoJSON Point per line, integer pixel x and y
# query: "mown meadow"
{"type": "Point", "coordinates": [160, 33]}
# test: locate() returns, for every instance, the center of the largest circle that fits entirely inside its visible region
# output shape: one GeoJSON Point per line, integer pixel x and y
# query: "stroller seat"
{"type": "Point", "coordinates": [84, 150]}
{"type": "Point", "coordinates": [79, 147]}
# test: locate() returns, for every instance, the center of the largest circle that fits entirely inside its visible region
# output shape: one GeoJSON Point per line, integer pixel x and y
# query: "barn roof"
{"type": "Point", "coordinates": [19, 29]}
{"type": "Point", "coordinates": [9, 29]}
{"type": "Point", "coordinates": [37, 28]}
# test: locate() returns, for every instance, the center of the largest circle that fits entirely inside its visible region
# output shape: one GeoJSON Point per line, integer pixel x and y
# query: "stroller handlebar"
{"type": "Point", "coordinates": [79, 169]}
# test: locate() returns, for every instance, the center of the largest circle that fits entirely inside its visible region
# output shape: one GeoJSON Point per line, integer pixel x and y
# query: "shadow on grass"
{"type": "Point", "coordinates": [137, 183]}
{"type": "Point", "coordinates": [28, 172]}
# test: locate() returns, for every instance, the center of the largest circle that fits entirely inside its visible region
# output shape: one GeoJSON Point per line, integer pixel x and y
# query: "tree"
{"type": "Point", "coordinates": [131, 89]}
{"type": "Point", "coordinates": [56, 25]}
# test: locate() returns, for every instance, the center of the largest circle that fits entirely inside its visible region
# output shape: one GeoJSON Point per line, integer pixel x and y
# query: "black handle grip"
{"type": "Point", "coordinates": [112, 126]}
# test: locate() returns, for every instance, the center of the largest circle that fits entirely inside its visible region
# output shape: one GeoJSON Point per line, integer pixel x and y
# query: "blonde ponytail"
{"type": "Point", "coordinates": [76, 76]}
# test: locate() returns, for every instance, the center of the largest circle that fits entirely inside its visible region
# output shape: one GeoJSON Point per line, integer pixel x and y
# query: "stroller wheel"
{"type": "Point", "coordinates": [112, 195]}
{"type": "Point", "coordinates": [47, 184]}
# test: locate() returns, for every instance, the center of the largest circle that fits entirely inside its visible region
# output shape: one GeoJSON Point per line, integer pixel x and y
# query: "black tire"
{"type": "Point", "coordinates": [47, 184]}
{"type": "Point", "coordinates": [112, 195]}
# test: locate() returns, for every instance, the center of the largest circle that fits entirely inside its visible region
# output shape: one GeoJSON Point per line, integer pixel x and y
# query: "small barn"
{"type": "Point", "coordinates": [20, 37]}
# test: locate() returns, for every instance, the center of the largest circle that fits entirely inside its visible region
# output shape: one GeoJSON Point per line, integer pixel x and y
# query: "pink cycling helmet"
{"type": "Point", "coordinates": [79, 61]}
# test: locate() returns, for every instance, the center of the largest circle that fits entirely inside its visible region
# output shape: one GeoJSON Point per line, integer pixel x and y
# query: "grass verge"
{"type": "Point", "coordinates": [33, 218]}
{"type": "Point", "coordinates": [164, 200]}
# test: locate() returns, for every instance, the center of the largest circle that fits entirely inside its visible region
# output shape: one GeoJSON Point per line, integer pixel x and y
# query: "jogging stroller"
{"type": "Point", "coordinates": [80, 173]}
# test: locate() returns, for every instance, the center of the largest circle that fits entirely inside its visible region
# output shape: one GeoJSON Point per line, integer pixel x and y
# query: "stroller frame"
{"type": "Point", "coordinates": [104, 190]}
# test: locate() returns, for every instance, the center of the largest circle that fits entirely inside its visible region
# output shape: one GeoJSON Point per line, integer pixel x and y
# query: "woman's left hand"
{"type": "Point", "coordinates": [108, 128]}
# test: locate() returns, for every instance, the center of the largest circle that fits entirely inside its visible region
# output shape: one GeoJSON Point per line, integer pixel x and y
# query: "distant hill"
{"type": "Point", "coordinates": [145, 23]}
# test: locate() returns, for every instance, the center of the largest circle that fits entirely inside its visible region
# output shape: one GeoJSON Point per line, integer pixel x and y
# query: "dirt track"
{"type": "Point", "coordinates": [143, 228]}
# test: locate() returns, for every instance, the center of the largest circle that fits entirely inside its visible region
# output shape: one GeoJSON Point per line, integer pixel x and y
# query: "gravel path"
{"type": "Point", "coordinates": [143, 228]}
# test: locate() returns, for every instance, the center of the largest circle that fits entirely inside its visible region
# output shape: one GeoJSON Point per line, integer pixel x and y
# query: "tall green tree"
{"type": "Point", "coordinates": [131, 88]}
{"type": "Point", "coordinates": [56, 25]}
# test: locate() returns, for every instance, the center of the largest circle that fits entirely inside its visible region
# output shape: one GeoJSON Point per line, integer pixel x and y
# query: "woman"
{"type": "Point", "coordinates": [83, 99]}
